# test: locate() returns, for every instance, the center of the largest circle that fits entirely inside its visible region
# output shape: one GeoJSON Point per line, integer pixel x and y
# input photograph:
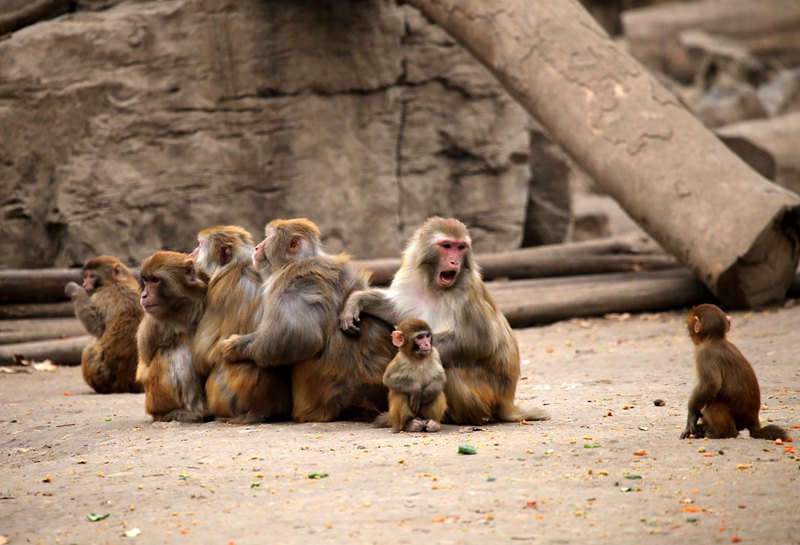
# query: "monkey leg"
{"type": "Point", "coordinates": [400, 414]}
{"type": "Point", "coordinates": [95, 372]}
{"type": "Point", "coordinates": [718, 421]}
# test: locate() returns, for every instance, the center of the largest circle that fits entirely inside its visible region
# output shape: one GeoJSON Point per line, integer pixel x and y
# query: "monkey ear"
{"type": "Point", "coordinates": [118, 273]}
{"type": "Point", "coordinates": [698, 327]}
{"type": "Point", "coordinates": [728, 327]}
{"type": "Point", "coordinates": [191, 274]}
{"type": "Point", "coordinates": [225, 254]}
{"type": "Point", "coordinates": [294, 245]}
{"type": "Point", "coordinates": [398, 338]}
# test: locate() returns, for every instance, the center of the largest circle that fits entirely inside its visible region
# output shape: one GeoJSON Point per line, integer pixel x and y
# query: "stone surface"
{"type": "Point", "coordinates": [126, 130]}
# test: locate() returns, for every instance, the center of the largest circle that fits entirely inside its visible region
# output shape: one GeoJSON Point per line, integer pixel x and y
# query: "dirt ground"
{"type": "Point", "coordinates": [607, 468]}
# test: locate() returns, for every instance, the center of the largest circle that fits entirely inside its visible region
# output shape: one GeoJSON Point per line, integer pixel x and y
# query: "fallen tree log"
{"type": "Point", "coordinates": [21, 331]}
{"type": "Point", "coordinates": [62, 351]}
{"type": "Point", "coordinates": [628, 252]}
{"type": "Point", "coordinates": [36, 285]}
{"type": "Point", "coordinates": [532, 302]}
{"type": "Point", "coordinates": [735, 230]}
{"type": "Point", "coordinates": [36, 310]}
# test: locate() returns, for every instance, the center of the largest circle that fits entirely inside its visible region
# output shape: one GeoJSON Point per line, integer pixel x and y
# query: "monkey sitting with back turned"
{"type": "Point", "coordinates": [415, 378]}
{"type": "Point", "coordinates": [726, 395]}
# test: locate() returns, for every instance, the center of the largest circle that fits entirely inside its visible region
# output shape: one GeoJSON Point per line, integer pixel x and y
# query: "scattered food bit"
{"type": "Point", "coordinates": [317, 475]}
{"type": "Point", "coordinates": [133, 532]}
{"type": "Point", "coordinates": [590, 445]}
{"type": "Point", "coordinates": [67, 393]}
{"type": "Point", "coordinates": [701, 449]}
{"type": "Point", "coordinates": [466, 449]}
{"type": "Point", "coordinates": [692, 519]}
{"type": "Point", "coordinates": [491, 479]}
{"type": "Point", "coordinates": [47, 479]}
{"type": "Point", "coordinates": [633, 476]}
{"type": "Point", "coordinates": [94, 517]}
{"type": "Point", "coordinates": [709, 454]}
{"type": "Point", "coordinates": [640, 452]}
{"type": "Point", "coordinates": [625, 489]}
{"type": "Point", "coordinates": [549, 452]}
{"type": "Point", "coordinates": [255, 485]}
{"type": "Point", "coordinates": [744, 466]}
{"type": "Point", "coordinates": [531, 505]}
{"type": "Point", "coordinates": [523, 422]}
{"type": "Point", "coordinates": [691, 509]}
{"type": "Point", "coordinates": [659, 402]}
{"type": "Point", "coordinates": [735, 539]}
{"type": "Point", "coordinates": [788, 450]}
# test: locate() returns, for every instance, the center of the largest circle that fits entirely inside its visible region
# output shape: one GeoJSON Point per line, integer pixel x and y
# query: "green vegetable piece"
{"type": "Point", "coordinates": [632, 476]}
{"type": "Point", "coordinates": [466, 449]}
{"type": "Point", "coordinates": [317, 475]}
{"type": "Point", "coordinates": [94, 517]}
{"type": "Point", "coordinates": [589, 445]}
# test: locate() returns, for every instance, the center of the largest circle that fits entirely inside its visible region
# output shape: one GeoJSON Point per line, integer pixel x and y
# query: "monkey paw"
{"type": "Point", "coordinates": [432, 426]}
{"type": "Point", "coordinates": [229, 352]}
{"type": "Point", "coordinates": [348, 322]}
{"type": "Point", "coordinates": [71, 289]}
{"type": "Point", "coordinates": [415, 425]}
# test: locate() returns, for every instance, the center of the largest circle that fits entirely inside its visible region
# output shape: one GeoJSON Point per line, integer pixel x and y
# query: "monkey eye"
{"type": "Point", "coordinates": [462, 247]}
{"type": "Point", "coordinates": [446, 245]}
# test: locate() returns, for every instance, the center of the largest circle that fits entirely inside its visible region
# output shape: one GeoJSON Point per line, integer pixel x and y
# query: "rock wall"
{"type": "Point", "coordinates": [126, 130]}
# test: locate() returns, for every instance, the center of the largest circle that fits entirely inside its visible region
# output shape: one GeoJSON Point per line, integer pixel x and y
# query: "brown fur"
{"type": "Point", "coordinates": [478, 348]}
{"type": "Point", "coordinates": [415, 381]}
{"type": "Point", "coordinates": [110, 311]}
{"type": "Point", "coordinates": [727, 395]}
{"type": "Point", "coordinates": [173, 389]}
{"type": "Point", "coordinates": [238, 392]}
{"type": "Point", "coordinates": [333, 375]}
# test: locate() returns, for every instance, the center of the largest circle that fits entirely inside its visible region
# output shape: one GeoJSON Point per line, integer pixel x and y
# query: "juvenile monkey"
{"type": "Point", "coordinates": [173, 298]}
{"type": "Point", "coordinates": [415, 378]}
{"type": "Point", "coordinates": [108, 306]}
{"type": "Point", "coordinates": [726, 395]}
{"type": "Point", "coordinates": [237, 392]}
{"type": "Point", "coordinates": [440, 282]}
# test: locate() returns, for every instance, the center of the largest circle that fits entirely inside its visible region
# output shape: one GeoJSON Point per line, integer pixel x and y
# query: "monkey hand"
{"type": "Point", "coordinates": [414, 398]}
{"type": "Point", "coordinates": [693, 430]}
{"type": "Point", "coordinates": [230, 353]}
{"type": "Point", "coordinates": [71, 289]}
{"type": "Point", "coordinates": [349, 319]}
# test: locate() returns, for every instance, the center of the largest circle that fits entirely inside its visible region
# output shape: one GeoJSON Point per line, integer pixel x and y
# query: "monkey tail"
{"type": "Point", "coordinates": [513, 413]}
{"type": "Point", "coordinates": [770, 432]}
{"type": "Point", "coordinates": [382, 421]}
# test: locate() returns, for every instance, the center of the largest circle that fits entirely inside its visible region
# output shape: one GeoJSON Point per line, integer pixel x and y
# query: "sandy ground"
{"type": "Point", "coordinates": [68, 453]}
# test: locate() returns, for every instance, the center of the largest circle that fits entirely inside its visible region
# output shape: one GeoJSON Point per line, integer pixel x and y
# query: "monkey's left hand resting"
{"type": "Point", "coordinates": [72, 289]}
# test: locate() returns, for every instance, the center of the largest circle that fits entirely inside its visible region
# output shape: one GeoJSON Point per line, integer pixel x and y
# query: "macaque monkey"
{"type": "Point", "coordinates": [108, 306]}
{"type": "Point", "coordinates": [174, 299]}
{"type": "Point", "coordinates": [333, 375]}
{"type": "Point", "coordinates": [415, 378]}
{"type": "Point", "coordinates": [726, 395]}
{"type": "Point", "coordinates": [440, 282]}
{"type": "Point", "coordinates": [238, 392]}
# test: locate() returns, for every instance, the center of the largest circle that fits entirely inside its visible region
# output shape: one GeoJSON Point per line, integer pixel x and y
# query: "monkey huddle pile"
{"type": "Point", "coordinates": [281, 330]}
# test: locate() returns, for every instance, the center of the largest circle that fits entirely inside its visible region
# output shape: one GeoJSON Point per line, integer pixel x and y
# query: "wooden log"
{"type": "Point", "coordinates": [62, 351]}
{"type": "Point", "coordinates": [767, 28]}
{"type": "Point", "coordinates": [20, 331]}
{"type": "Point", "coordinates": [36, 285]}
{"type": "Point", "coordinates": [531, 302]}
{"type": "Point", "coordinates": [36, 310]}
{"type": "Point", "coordinates": [770, 146]}
{"type": "Point", "coordinates": [735, 230]}
{"type": "Point", "coordinates": [628, 252]}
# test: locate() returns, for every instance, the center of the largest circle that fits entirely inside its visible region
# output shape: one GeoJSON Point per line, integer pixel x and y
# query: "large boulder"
{"type": "Point", "coordinates": [126, 130]}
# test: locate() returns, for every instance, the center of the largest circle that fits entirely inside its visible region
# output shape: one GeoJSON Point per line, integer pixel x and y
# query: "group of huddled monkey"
{"type": "Point", "coordinates": [284, 330]}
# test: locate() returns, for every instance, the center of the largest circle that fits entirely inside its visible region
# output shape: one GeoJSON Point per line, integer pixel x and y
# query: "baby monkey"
{"type": "Point", "coordinates": [415, 378]}
{"type": "Point", "coordinates": [726, 395]}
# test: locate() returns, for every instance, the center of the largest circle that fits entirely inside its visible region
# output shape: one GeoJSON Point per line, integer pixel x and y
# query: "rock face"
{"type": "Point", "coordinates": [127, 130]}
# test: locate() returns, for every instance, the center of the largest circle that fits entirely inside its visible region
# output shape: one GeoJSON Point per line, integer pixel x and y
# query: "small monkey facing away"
{"type": "Point", "coordinates": [107, 303]}
{"type": "Point", "coordinates": [727, 395]}
{"type": "Point", "coordinates": [415, 378]}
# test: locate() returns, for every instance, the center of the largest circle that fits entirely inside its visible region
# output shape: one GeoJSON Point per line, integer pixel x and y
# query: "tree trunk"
{"type": "Point", "coordinates": [62, 351]}
{"type": "Point", "coordinates": [22, 331]}
{"type": "Point", "coordinates": [736, 231]}
{"type": "Point", "coordinates": [36, 285]}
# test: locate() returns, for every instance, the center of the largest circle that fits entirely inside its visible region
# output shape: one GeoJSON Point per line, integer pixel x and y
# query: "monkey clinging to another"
{"type": "Point", "coordinates": [415, 378]}
{"type": "Point", "coordinates": [726, 395]}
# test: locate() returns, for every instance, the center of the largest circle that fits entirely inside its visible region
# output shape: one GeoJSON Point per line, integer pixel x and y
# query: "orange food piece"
{"type": "Point", "coordinates": [691, 509]}
{"type": "Point", "coordinates": [640, 452]}
{"type": "Point", "coordinates": [735, 539]}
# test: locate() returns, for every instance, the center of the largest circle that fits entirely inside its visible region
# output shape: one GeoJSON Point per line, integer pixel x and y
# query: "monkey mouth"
{"type": "Point", "coordinates": [150, 309]}
{"type": "Point", "coordinates": [423, 352]}
{"type": "Point", "coordinates": [447, 278]}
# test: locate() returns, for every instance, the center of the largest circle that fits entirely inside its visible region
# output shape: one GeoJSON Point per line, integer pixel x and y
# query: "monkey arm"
{"type": "Point", "coordinates": [709, 383]}
{"type": "Point", "coordinates": [293, 331]}
{"type": "Point", "coordinates": [372, 301]}
{"type": "Point", "coordinates": [86, 312]}
{"type": "Point", "coordinates": [432, 389]}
